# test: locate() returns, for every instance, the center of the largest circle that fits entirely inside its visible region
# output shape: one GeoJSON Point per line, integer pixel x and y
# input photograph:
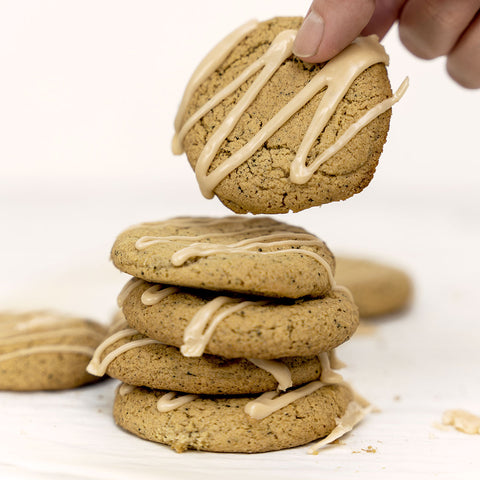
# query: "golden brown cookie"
{"type": "Point", "coordinates": [160, 366]}
{"type": "Point", "coordinates": [46, 351]}
{"type": "Point", "coordinates": [260, 328]}
{"type": "Point", "coordinates": [257, 256]}
{"type": "Point", "coordinates": [263, 182]}
{"type": "Point", "coordinates": [220, 424]}
{"type": "Point", "coordinates": [378, 289]}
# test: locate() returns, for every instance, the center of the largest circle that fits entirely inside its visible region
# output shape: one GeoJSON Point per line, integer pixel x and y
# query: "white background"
{"type": "Point", "coordinates": [88, 93]}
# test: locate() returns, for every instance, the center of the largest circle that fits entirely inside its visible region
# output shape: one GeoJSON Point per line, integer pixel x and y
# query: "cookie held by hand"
{"type": "Point", "coordinates": [268, 133]}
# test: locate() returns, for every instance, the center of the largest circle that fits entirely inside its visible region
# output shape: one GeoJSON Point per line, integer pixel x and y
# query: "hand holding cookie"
{"type": "Point", "coordinates": [429, 29]}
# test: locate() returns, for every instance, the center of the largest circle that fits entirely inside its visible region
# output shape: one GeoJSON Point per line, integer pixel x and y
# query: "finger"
{"type": "Point", "coordinates": [385, 15]}
{"type": "Point", "coordinates": [431, 28]}
{"type": "Point", "coordinates": [331, 25]}
{"type": "Point", "coordinates": [463, 62]}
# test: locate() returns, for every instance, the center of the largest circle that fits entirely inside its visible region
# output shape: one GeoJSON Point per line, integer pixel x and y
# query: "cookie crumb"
{"type": "Point", "coordinates": [462, 421]}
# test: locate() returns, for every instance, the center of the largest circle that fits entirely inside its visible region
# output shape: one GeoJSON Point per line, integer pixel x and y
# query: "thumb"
{"type": "Point", "coordinates": [331, 25]}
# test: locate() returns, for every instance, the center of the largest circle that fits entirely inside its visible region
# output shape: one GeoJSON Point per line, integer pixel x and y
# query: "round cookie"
{"type": "Point", "coordinates": [219, 424]}
{"type": "Point", "coordinates": [163, 367]}
{"type": "Point", "coordinates": [278, 328]}
{"type": "Point", "coordinates": [263, 182]}
{"type": "Point", "coordinates": [46, 351]}
{"type": "Point", "coordinates": [378, 289]}
{"type": "Point", "coordinates": [257, 256]}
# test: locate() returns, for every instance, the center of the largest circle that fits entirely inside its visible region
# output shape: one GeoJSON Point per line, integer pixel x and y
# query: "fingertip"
{"type": "Point", "coordinates": [309, 36]}
{"type": "Point", "coordinates": [329, 27]}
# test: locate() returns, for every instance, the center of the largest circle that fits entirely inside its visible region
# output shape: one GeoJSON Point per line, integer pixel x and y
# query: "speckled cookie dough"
{"type": "Point", "coordinates": [261, 184]}
{"type": "Point", "coordinates": [279, 328]}
{"type": "Point", "coordinates": [46, 351]}
{"type": "Point", "coordinates": [147, 251]}
{"type": "Point", "coordinates": [378, 289]}
{"type": "Point", "coordinates": [219, 424]}
{"type": "Point", "coordinates": [164, 367]}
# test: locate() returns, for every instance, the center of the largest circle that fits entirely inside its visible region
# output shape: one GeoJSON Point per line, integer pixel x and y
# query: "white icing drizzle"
{"type": "Point", "coordinates": [127, 289]}
{"type": "Point", "coordinates": [38, 321]}
{"type": "Point", "coordinates": [54, 333]}
{"type": "Point", "coordinates": [147, 241]}
{"type": "Point", "coordinates": [270, 402]}
{"type": "Point", "coordinates": [169, 401]}
{"type": "Point", "coordinates": [335, 77]}
{"type": "Point", "coordinates": [208, 65]}
{"type": "Point", "coordinates": [125, 389]}
{"type": "Point", "coordinates": [95, 367]}
{"type": "Point", "coordinates": [23, 352]}
{"type": "Point", "coordinates": [328, 376]}
{"type": "Point", "coordinates": [197, 335]}
{"type": "Point", "coordinates": [156, 293]}
{"type": "Point", "coordinates": [301, 173]}
{"type": "Point", "coordinates": [354, 414]}
{"type": "Point", "coordinates": [277, 369]}
{"type": "Point", "coordinates": [335, 362]}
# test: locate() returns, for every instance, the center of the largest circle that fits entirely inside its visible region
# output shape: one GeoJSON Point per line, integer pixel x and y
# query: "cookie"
{"type": "Point", "coordinates": [201, 321]}
{"type": "Point", "coordinates": [220, 424]}
{"type": "Point", "coordinates": [46, 351]}
{"type": "Point", "coordinates": [268, 133]}
{"type": "Point", "coordinates": [257, 256]}
{"type": "Point", "coordinates": [378, 289]}
{"type": "Point", "coordinates": [152, 364]}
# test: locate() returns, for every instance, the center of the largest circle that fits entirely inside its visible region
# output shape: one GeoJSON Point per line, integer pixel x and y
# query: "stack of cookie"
{"type": "Point", "coordinates": [227, 336]}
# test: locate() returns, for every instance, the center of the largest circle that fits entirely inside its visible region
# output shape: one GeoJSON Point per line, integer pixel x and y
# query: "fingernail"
{"type": "Point", "coordinates": [309, 36]}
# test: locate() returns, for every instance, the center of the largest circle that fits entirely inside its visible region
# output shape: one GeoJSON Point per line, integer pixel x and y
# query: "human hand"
{"type": "Point", "coordinates": [428, 28]}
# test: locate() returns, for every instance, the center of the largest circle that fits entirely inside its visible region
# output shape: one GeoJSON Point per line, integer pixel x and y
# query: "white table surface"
{"type": "Point", "coordinates": [86, 115]}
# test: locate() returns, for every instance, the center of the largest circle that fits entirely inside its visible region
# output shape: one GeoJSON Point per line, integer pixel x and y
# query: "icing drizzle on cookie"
{"type": "Point", "coordinates": [353, 415]}
{"type": "Point", "coordinates": [170, 401]}
{"type": "Point", "coordinates": [99, 368]}
{"type": "Point", "coordinates": [55, 348]}
{"type": "Point", "coordinates": [45, 327]}
{"type": "Point", "coordinates": [156, 293]}
{"type": "Point", "coordinates": [335, 78]}
{"type": "Point", "coordinates": [197, 335]}
{"type": "Point", "coordinates": [277, 369]}
{"type": "Point", "coordinates": [270, 402]}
